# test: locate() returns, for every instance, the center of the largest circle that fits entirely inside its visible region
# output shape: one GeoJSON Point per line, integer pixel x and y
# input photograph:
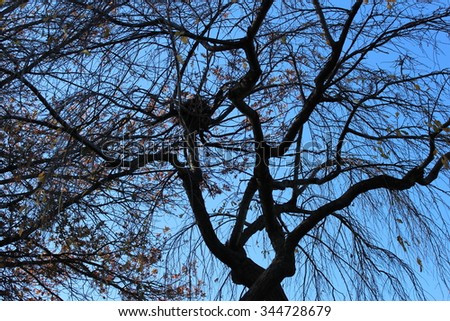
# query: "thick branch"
{"type": "Point", "coordinates": [235, 238]}
{"type": "Point", "coordinates": [325, 75]}
{"type": "Point", "coordinates": [202, 217]}
{"type": "Point", "coordinates": [382, 181]}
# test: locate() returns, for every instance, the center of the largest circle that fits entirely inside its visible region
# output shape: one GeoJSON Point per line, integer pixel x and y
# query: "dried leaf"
{"type": "Point", "coordinates": [419, 261]}
{"type": "Point", "coordinates": [41, 177]}
{"type": "Point", "coordinates": [401, 241]}
{"type": "Point", "coordinates": [184, 39]}
{"type": "Point", "coordinates": [444, 161]}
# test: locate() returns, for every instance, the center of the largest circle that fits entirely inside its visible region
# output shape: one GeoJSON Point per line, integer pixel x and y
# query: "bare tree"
{"type": "Point", "coordinates": [158, 149]}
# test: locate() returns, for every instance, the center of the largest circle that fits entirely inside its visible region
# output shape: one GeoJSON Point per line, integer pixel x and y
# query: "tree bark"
{"type": "Point", "coordinates": [263, 284]}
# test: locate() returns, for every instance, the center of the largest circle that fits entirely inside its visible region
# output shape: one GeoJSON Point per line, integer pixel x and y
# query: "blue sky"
{"type": "Point", "coordinates": [221, 208]}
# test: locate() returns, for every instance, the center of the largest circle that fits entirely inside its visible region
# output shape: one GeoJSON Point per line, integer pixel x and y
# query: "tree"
{"type": "Point", "coordinates": [214, 143]}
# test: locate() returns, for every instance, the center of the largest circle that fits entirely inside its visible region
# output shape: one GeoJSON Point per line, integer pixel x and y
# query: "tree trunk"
{"type": "Point", "coordinates": [263, 284]}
